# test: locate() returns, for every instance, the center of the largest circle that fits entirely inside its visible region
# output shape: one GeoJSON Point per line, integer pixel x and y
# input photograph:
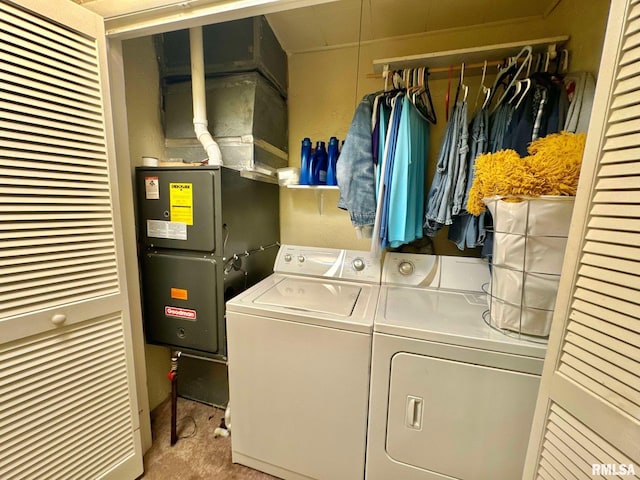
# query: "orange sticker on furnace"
{"type": "Point", "coordinates": [179, 294]}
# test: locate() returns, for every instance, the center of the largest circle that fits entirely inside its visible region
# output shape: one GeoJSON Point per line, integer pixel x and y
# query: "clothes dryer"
{"type": "Point", "coordinates": [299, 345]}
{"type": "Point", "coordinates": [451, 397]}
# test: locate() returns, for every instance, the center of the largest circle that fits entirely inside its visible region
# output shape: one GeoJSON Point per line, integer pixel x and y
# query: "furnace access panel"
{"type": "Point", "coordinates": [178, 208]}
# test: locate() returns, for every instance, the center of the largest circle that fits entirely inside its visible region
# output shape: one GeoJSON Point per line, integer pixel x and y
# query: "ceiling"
{"type": "Point", "coordinates": [338, 23]}
{"type": "Point", "coordinates": [306, 25]}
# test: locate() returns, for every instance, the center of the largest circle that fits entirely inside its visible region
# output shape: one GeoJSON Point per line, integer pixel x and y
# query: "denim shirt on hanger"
{"type": "Point", "coordinates": [355, 170]}
{"type": "Point", "coordinates": [445, 193]}
{"type": "Point", "coordinates": [468, 231]}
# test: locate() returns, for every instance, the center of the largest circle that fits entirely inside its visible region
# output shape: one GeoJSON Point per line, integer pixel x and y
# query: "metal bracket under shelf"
{"type": "Point", "coordinates": [319, 192]}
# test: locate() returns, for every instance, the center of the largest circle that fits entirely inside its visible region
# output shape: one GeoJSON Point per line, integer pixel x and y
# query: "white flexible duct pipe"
{"type": "Point", "coordinates": [199, 98]}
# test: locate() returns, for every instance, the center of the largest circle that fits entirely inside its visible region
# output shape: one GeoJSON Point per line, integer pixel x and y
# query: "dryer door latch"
{"type": "Point", "coordinates": [414, 412]}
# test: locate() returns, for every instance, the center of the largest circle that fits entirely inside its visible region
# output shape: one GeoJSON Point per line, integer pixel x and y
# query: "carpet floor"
{"type": "Point", "coordinates": [197, 455]}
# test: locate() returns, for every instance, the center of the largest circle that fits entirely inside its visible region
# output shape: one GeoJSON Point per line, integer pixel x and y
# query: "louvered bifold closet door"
{"type": "Point", "coordinates": [67, 401]}
{"type": "Point", "coordinates": [588, 413]}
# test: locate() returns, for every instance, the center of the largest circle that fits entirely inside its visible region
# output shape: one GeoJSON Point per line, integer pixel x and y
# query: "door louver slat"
{"type": "Point", "coordinates": [590, 314]}
{"type": "Point", "coordinates": [32, 117]}
{"type": "Point", "coordinates": [622, 127]}
{"type": "Point", "coordinates": [46, 285]}
{"type": "Point", "coordinates": [616, 237]}
{"type": "Point", "coordinates": [606, 223]}
{"type": "Point", "coordinates": [610, 263]}
{"type": "Point", "coordinates": [620, 169]}
{"type": "Point", "coordinates": [36, 125]}
{"type": "Point", "coordinates": [623, 196]}
{"type": "Point", "coordinates": [46, 137]}
{"type": "Point", "coordinates": [611, 303]}
{"type": "Point", "coordinates": [621, 142]}
{"type": "Point", "coordinates": [32, 271]}
{"type": "Point", "coordinates": [50, 254]}
{"type": "Point", "coordinates": [619, 183]}
{"type": "Point", "coordinates": [632, 40]}
{"type": "Point", "coordinates": [32, 79]}
{"type": "Point", "coordinates": [624, 100]}
{"type": "Point", "coordinates": [19, 48]}
{"type": "Point", "coordinates": [58, 119]}
{"type": "Point", "coordinates": [620, 252]}
{"type": "Point", "coordinates": [629, 112]}
{"type": "Point", "coordinates": [611, 276]}
{"type": "Point", "coordinates": [634, 12]}
{"type": "Point", "coordinates": [628, 85]}
{"type": "Point", "coordinates": [43, 158]}
{"type": "Point", "coordinates": [618, 156]}
{"type": "Point", "coordinates": [632, 55]}
{"type": "Point", "coordinates": [47, 103]}
{"type": "Point", "coordinates": [89, 173]}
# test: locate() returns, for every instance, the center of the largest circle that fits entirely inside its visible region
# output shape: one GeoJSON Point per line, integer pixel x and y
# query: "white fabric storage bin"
{"type": "Point", "coordinates": [522, 320]}
{"type": "Point", "coordinates": [528, 251]}
{"type": "Point", "coordinates": [534, 295]}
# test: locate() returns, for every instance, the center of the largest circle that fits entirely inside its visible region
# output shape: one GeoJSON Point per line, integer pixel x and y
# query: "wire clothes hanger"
{"type": "Point", "coordinates": [461, 87]}
{"type": "Point", "coordinates": [486, 91]}
{"type": "Point", "coordinates": [526, 55]}
{"type": "Point", "coordinates": [420, 95]}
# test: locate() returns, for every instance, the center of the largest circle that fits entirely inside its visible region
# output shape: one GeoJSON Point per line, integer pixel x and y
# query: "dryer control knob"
{"type": "Point", "coordinates": [301, 258]}
{"type": "Point", "coordinates": [358, 264]}
{"type": "Point", "coordinates": [287, 257]}
{"type": "Point", "coordinates": [406, 268]}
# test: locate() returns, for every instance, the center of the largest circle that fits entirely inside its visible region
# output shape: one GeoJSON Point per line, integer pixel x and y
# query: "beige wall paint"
{"type": "Point", "coordinates": [325, 86]}
{"type": "Point", "coordinates": [587, 22]}
{"type": "Point", "coordinates": [146, 138]}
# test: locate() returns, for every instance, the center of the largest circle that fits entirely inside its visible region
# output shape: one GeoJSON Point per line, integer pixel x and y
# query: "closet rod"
{"type": "Point", "coordinates": [456, 68]}
{"type": "Point", "coordinates": [437, 71]}
{"type": "Point", "coordinates": [473, 57]}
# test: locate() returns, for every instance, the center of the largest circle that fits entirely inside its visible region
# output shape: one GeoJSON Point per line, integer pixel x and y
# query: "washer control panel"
{"type": "Point", "coordinates": [329, 263]}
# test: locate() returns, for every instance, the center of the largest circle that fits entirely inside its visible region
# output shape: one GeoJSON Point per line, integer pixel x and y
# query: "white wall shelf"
{"type": "Point", "coordinates": [313, 187]}
{"type": "Point", "coordinates": [439, 62]}
{"type": "Point", "coordinates": [319, 192]}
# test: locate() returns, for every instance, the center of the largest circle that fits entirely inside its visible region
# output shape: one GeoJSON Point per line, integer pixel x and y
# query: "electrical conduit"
{"type": "Point", "coordinates": [200, 122]}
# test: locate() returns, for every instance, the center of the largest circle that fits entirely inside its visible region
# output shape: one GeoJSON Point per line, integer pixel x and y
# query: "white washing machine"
{"type": "Point", "coordinates": [299, 347]}
{"type": "Point", "coordinates": [451, 398]}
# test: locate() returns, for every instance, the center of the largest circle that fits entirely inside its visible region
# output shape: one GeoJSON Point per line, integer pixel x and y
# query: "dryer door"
{"type": "Point", "coordinates": [459, 419]}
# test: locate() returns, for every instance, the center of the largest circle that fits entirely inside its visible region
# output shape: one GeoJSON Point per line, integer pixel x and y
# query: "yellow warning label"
{"type": "Point", "coordinates": [181, 202]}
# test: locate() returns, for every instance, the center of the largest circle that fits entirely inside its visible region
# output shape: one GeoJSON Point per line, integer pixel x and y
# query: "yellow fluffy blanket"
{"type": "Point", "coordinates": [551, 168]}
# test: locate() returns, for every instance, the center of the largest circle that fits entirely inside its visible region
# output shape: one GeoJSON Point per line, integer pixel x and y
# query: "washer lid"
{"type": "Point", "coordinates": [312, 296]}
{"type": "Point", "coordinates": [327, 303]}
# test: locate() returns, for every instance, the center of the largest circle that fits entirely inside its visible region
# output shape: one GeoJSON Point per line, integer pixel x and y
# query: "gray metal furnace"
{"type": "Point", "coordinates": [206, 234]}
